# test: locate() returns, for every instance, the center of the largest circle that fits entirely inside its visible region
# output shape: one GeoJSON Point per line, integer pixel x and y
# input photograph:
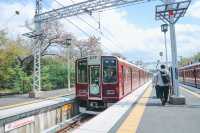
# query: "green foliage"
{"type": "Point", "coordinates": [54, 74]}
{"type": "Point", "coordinates": [184, 61]}
{"type": "Point", "coordinates": [197, 57]}
{"type": "Point", "coordinates": [15, 79]}
{"type": "Point", "coordinates": [16, 65]}
{"type": "Point", "coordinates": [187, 61]}
{"type": "Point", "coordinates": [22, 82]}
{"type": "Point", "coordinates": [11, 75]}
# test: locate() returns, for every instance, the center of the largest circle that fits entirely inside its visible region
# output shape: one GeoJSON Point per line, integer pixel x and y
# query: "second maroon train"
{"type": "Point", "coordinates": [103, 80]}
{"type": "Point", "coordinates": [190, 75]}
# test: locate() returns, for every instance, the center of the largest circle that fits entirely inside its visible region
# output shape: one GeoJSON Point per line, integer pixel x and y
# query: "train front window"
{"type": "Point", "coordinates": [82, 71]}
{"type": "Point", "coordinates": [109, 70]}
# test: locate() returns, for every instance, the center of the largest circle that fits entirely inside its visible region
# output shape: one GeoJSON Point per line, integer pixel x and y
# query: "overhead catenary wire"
{"type": "Point", "coordinates": [78, 16]}
{"type": "Point", "coordinates": [91, 27]}
{"type": "Point", "coordinates": [106, 37]}
{"type": "Point", "coordinates": [83, 31]}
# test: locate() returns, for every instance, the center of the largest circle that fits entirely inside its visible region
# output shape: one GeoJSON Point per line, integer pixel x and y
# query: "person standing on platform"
{"type": "Point", "coordinates": [161, 82]}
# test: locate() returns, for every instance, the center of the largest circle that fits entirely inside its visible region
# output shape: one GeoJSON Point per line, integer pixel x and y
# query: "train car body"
{"type": "Point", "coordinates": [101, 80]}
{"type": "Point", "coordinates": [190, 75]}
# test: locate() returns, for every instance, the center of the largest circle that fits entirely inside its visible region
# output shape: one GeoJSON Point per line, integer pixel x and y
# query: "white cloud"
{"type": "Point", "coordinates": [129, 39]}
{"type": "Point", "coordinates": [147, 42]}
{"type": "Point", "coordinates": [194, 10]}
{"type": "Point", "coordinates": [188, 39]}
{"type": "Point", "coordinates": [12, 22]}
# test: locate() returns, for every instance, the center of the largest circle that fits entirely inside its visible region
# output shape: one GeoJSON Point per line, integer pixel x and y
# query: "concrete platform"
{"type": "Point", "coordinates": [15, 100]}
{"type": "Point", "coordinates": [147, 115]}
{"type": "Point", "coordinates": [47, 115]}
{"type": "Point", "coordinates": [166, 119]}
{"type": "Point", "coordinates": [110, 118]}
{"type": "Point", "coordinates": [7, 113]}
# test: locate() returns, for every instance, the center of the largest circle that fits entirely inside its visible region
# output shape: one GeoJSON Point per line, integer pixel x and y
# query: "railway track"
{"type": "Point", "coordinates": [75, 123]}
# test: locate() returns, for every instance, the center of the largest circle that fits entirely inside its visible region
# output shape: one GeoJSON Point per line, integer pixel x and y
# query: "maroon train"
{"type": "Point", "coordinates": [190, 75]}
{"type": "Point", "coordinates": [102, 80]}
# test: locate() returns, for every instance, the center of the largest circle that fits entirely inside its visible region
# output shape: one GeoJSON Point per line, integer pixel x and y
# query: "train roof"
{"type": "Point", "coordinates": [125, 61]}
{"type": "Point", "coordinates": [191, 65]}
{"type": "Point", "coordinates": [120, 59]}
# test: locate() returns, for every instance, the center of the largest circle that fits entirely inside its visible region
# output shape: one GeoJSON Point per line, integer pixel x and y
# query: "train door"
{"type": "Point", "coordinates": [94, 83]}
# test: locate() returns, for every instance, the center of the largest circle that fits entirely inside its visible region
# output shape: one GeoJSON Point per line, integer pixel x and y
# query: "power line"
{"type": "Point", "coordinates": [109, 39]}
{"type": "Point", "coordinates": [84, 32]}
{"type": "Point", "coordinates": [116, 44]}
{"type": "Point", "coordinates": [86, 23]}
{"type": "Point", "coordinates": [78, 16]}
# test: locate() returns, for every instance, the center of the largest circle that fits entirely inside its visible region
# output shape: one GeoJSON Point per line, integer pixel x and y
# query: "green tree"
{"type": "Point", "coordinates": [184, 61]}
{"type": "Point", "coordinates": [90, 46]}
{"type": "Point", "coordinates": [11, 75]}
{"type": "Point", "coordinates": [54, 74]}
{"type": "Point", "coordinates": [197, 57]}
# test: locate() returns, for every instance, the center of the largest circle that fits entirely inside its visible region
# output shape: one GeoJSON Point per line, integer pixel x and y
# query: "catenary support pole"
{"type": "Point", "coordinates": [36, 75]}
{"type": "Point", "coordinates": [173, 51]}
{"type": "Point", "coordinates": [174, 59]}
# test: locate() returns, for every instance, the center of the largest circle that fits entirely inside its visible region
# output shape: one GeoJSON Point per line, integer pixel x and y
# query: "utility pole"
{"type": "Point", "coordinates": [171, 11]}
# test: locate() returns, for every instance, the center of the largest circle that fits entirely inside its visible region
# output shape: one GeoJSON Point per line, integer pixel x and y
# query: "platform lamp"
{"type": "Point", "coordinates": [161, 55]}
{"type": "Point", "coordinates": [164, 29]}
{"type": "Point", "coordinates": [68, 44]}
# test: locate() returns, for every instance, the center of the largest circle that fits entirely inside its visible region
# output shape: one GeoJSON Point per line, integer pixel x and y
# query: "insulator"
{"type": "Point", "coordinates": [17, 12]}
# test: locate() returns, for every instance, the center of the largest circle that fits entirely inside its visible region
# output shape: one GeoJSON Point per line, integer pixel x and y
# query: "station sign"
{"type": "Point", "coordinates": [94, 60]}
{"type": "Point", "coordinates": [19, 123]}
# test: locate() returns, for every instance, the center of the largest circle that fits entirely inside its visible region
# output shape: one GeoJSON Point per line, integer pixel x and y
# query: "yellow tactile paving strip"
{"type": "Point", "coordinates": [131, 123]}
{"type": "Point", "coordinates": [193, 93]}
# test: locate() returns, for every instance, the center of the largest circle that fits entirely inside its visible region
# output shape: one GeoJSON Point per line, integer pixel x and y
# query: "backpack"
{"type": "Point", "coordinates": [165, 77]}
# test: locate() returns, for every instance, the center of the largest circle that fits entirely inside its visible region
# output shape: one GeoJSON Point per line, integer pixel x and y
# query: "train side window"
{"type": "Point", "coordinates": [82, 71]}
{"type": "Point", "coordinates": [109, 70]}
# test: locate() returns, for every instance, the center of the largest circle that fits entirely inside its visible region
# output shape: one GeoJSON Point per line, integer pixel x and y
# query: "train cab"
{"type": "Point", "coordinates": [96, 80]}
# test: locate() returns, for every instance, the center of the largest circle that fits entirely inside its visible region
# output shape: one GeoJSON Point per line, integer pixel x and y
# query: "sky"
{"type": "Point", "coordinates": [131, 31]}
